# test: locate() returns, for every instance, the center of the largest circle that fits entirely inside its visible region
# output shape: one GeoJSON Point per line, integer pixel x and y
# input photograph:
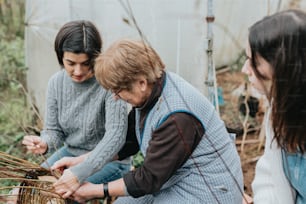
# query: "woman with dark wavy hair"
{"type": "Point", "coordinates": [83, 122]}
{"type": "Point", "coordinates": [276, 66]}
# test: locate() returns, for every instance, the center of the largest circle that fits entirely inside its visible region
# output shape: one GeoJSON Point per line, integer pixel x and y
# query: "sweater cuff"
{"type": "Point", "coordinates": [80, 172]}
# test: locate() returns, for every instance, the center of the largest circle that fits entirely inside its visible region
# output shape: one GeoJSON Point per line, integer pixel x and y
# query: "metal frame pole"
{"type": "Point", "coordinates": [211, 81]}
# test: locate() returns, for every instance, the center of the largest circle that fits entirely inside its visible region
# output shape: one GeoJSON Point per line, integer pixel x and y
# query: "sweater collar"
{"type": "Point", "coordinates": [85, 83]}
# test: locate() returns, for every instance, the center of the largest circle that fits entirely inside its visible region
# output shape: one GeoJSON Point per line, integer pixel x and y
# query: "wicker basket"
{"type": "Point", "coordinates": [34, 183]}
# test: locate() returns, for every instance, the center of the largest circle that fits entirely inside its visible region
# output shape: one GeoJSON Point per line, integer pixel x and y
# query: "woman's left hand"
{"type": "Point", "coordinates": [67, 184]}
{"type": "Point", "coordinates": [87, 191]}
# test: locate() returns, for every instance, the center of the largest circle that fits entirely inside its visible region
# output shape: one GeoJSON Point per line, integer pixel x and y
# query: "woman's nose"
{"type": "Point", "coordinates": [78, 69]}
{"type": "Point", "coordinates": [245, 68]}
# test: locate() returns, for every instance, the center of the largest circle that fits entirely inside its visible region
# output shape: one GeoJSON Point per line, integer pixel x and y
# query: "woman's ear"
{"type": "Point", "coordinates": [143, 83]}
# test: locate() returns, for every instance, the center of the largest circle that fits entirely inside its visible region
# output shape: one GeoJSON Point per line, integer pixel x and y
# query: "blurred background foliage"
{"type": "Point", "coordinates": [16, 114]}
{"type": "Point", "coordinates": [12, 66]}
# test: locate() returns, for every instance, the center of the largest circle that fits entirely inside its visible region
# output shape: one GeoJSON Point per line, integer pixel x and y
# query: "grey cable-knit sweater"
{"type": "Point", "coordinates": [84, 117]}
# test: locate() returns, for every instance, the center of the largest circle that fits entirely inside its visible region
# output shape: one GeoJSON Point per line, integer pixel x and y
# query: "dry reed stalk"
{"type": "Point", "coordinates": [245, 121]}
{"type": "Point", "coordinates": [35, 182]}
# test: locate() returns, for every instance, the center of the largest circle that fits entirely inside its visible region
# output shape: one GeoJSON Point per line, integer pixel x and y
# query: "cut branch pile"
{"type": "Point", "coordinates": [34, 182]}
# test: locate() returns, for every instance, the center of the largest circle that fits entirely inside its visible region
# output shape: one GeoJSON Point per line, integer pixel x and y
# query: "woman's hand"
{"type": "Point", "coordinates": [68, 162]}
{"type": "Point", "coordinates": [35, 144]}
{"type": "Point", "coordinates": [87, 191]}
{"type": "Point", "coordinates": [247, 199]}
{"type": "Point", "coordinates": [67, 184]}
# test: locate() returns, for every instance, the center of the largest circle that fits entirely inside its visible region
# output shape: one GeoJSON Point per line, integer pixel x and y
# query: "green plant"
{"type": "Point", "coordinates": [16, 113]}
{"type": "Point", "coordinates": [12, 66]}
{"type": "Point", "coordinates": [137, 159]}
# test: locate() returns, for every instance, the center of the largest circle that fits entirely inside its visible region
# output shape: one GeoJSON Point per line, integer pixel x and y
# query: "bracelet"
{"type": "Point", "coordinates": [105, 190]}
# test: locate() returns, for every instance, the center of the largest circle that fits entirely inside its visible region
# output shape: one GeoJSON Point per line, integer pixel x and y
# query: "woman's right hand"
{"type": "Point", "coordinates": [68, 162]}
{"type": "Point", "coordinates": [35, 144]}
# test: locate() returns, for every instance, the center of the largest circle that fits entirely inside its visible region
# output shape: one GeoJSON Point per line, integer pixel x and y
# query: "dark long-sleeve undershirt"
{"type": "Point", "coordinates": [131, 146]}
{"type": "Point", "coordinates": [171, 145]}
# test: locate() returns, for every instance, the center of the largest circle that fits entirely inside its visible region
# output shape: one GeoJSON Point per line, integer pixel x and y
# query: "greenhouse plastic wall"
{"type": "Point", "coordinates": [175, 28]}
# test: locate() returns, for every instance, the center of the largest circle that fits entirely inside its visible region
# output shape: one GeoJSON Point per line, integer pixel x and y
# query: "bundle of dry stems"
{"type": "Point", "coordinates": [34, 183]}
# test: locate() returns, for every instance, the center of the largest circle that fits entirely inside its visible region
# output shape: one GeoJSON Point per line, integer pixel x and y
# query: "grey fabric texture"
{"type": "Point", "coordinates": [84, 117]}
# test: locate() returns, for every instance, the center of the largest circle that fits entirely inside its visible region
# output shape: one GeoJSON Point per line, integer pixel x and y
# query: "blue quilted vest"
{"type": "Point", "coordinates": [213, 172]}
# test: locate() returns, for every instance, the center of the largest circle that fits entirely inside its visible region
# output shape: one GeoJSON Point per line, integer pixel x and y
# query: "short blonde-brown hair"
{"type": "Point", "coordinates": [124, 61]}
